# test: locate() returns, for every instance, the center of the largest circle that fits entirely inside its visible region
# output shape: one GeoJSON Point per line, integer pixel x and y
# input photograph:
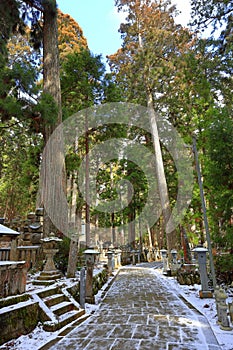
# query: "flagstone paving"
{"type": "Point", "coordinates": [139, 312]}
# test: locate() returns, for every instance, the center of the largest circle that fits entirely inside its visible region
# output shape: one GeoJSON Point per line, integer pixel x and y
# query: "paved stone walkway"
{"type": "Point", "coordinates": [140, 312]}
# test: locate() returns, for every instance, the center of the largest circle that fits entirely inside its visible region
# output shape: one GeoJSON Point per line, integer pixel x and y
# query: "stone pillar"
{"type": "Point", "coordinates": [101, 249]}
{"type": "Point", "coordinates": [201, 256]}
{"type": "Point", "coordinates": [90, 257]}
{"type": "Point", "coordinates": [133, 258]}
{"type": "Point", "coordinates": [13, 251]}
{"type": "Point", "coordinates": [109, 254]}
{"type": "Point", "coordinates": [164, 258]}
{"type": "Point", "coordinates": [216, 296]}
{"type": "Point", "coordinates": [119, 257]}
{"type": "Point", "coordinates": [82, 288]}
{"type": "Point", "coordinates": [89, 297]}
{"type": "Point", "coordinates": [230, 307]}
{"type": "Point", "coordinates": [138, 253]}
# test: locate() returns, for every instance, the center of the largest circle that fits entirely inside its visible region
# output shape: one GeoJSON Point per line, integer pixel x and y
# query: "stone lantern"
{"type": "Point", "coordinates": [90, 258]}
{"type": "Point", "coordinates": [49, 273]}
{"type": "Point", "coordinates": [201, 256]}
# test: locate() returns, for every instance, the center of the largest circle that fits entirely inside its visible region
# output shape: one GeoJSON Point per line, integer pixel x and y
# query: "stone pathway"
{"type": "Point", "coordinates": [140, 313]}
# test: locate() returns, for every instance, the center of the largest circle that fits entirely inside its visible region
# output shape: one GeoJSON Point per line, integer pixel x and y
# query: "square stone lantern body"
{"type": "Point", "coordinates": [91, 256]}
{"type": "Point", "coordinates": [201, 254]}
{"type": "Point", "coordinates": [174, 254]}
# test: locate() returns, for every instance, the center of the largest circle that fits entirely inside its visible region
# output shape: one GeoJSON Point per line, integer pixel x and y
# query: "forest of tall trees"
{"type": "Point", "coordinates": [48, 73]}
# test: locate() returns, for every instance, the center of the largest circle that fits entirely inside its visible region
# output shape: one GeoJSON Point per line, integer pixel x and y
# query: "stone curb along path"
{"type": "Point", "coordinates": [140, 312]}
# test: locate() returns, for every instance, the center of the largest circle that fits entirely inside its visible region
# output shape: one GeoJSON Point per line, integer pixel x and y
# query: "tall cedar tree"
{"type": "Point", "coordinates": [152, 42]}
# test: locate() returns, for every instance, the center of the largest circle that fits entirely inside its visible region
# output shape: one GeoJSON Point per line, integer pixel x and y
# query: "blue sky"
{"type": "Point", "coordinates": [100, 22]}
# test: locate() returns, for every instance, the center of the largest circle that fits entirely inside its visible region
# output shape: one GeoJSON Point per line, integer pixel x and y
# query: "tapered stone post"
{"type": "Point", "coordinates": [133, 258]}
{"type": "Point", "coordinates": [216, 296]}
{"type": "Point", "coordinates": [138, 255]}
{"type": "Point", "coordinates": [119, 257]}
{"type": "Point", "coordinates": [90, 257]}
{"type": "Point", "coordinates": [230, 307]}
{"type": "Point", "coordinates": [205, 292]}
{"type": "Point", "coordinates": [164, 258]}
{"type": "Point", "coordinates": [115, 260]}
{"type": "Point", "coordinates": [109, 254]}
{"type": "Point", "coordinates": [82, 289]}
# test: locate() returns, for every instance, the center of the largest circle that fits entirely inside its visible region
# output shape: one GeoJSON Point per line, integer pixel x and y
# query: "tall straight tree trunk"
{"type": "Point", "coordinates": [87, 186]}
{"type": "Point", "coordinates": [51, 67]}
{"type": "Point", "coordinates": [75, 226]}
{"type": "Point", "coordinates": [55, 158]}
{"type": "Point", "coordinates": [171, 237]}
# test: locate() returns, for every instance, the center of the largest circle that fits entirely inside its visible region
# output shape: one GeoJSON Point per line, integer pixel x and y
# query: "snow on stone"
{"type": "Point", "coordinates": [206, 307]}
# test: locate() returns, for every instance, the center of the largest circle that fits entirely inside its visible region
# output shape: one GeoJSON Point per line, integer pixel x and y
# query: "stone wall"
{"type": "Point", "coordinates": [13, 276]}
{"type": "Point", "coordinates": [21, 320]}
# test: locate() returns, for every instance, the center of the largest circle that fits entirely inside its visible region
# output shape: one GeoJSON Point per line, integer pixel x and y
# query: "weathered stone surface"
{"type": "Point", "coordinates": [13, 276]}
{"type": "Point", "coordinates": [140, 312]}
{"type": "Point", "coordinates": [20, 320]}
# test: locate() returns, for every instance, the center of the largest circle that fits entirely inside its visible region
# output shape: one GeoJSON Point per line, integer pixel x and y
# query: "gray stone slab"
{"type": "Point", "coordinates": [140, 312]}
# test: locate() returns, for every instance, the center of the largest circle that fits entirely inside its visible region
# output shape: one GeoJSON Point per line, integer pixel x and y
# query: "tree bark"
{"type": "Point", "coordinates": [51, 67]}
{"type": "Point", "coordinates": [171, 237]}
{"type": "Point", "coordinates": [55, 164]}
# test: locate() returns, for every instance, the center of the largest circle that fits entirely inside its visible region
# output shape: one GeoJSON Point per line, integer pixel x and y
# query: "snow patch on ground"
{"type": "Point", "coordinates": [207, 307]}
{"type": "Point", "coordinates": [39, 337]}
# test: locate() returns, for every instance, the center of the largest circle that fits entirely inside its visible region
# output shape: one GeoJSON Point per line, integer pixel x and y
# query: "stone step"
{"type": "Point", "coordinates": [43, 282]}
{"type": "Point", "coordinates": [48, 292]}
{"type": "Point", "coordinates": [63, 320]}
{"type": "Point", "coordinates": [62, 308]}
{"type": "Point", "coordinates": [46, 277]}
{"type": "Point", "coordinates": [54, 299]}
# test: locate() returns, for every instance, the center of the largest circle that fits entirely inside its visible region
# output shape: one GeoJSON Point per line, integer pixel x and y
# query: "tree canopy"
{"type": "Point", "coordinates": [186, 76]}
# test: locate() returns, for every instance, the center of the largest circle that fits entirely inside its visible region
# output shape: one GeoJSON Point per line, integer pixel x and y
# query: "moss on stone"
{"type": "Point", "coordinates": [14, 300]}
{"type": "Point", "coordinates": [18, 321]}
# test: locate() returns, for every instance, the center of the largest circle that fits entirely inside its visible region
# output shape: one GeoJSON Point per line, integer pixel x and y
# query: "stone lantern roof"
{"type": "Point", "coordinates": [6, 231]}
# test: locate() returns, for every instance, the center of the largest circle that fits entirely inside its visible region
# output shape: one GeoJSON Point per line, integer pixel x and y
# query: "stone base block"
{"type": "Point", "coordinates": [90, 300]}
{"type": "Point", "coordinates": [47, 278]}
{"type": "Point", "coordinates": [226, 328]}
{"type": "Point", "coordinates": [205, 294]}
{"type": "Point", "coordinates": [43, 282]}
